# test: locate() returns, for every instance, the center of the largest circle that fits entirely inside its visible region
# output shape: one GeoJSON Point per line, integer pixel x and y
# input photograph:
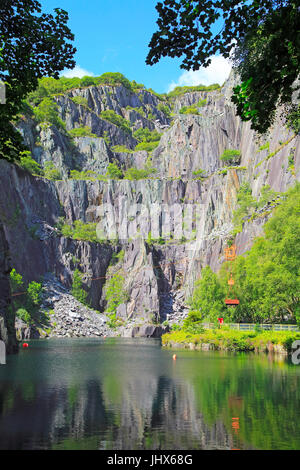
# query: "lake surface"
{"type": "Point", "coordinates": [129, 394]}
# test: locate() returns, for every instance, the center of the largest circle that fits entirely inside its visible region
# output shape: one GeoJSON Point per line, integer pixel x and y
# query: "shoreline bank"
{"type": "Point", "coordinates": [229, 340]}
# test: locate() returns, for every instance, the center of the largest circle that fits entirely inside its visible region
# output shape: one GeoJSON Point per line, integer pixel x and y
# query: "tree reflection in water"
{"type": "Point", "coordinates": [123, 394]}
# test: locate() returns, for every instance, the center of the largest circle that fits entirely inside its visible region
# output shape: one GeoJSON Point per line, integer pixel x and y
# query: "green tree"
{"type": "Point", "coordinates": [246, 204]}
{"type": "Point", "coordinates": [29, 164]}
{"type": "Point", "coordinates": [263, 34]}
{"type": "Point", "coordinates": [267, 276]}
{"type": "Point", "coordinates": [33, 298]}
{"type": "Point", "coordinates": [77, 290]}
{"type": "Point", "coordinates": [145, 135]}
{"type": "Point", "coordinates": [208, 297]}
{"type": "Point", "coordinates": [16, 281]}
{"type": "Point", "coordinates": [32, 44]}
{"type": "Point", "coordinates": [47, 111]}
{"type": "Point", "coordinates": [28, 304]}
{"type": "Point", "coordinates": [115, 78]}
{"type": "Point", "coordinates": [24, 315]}
{"type": "Point", "coordinates": [267, 281]}
{"type": "Point", "coordinates": [115, 293]}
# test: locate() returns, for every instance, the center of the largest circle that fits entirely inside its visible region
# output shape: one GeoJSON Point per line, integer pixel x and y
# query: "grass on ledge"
{"type": "Point", "coordinates": [233, 340]}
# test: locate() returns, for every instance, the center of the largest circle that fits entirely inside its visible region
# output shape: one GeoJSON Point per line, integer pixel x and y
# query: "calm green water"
{"type": "Point", "coordinates": [130, 394]}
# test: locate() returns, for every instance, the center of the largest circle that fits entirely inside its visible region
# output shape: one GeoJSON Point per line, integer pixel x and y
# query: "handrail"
{"type": "Point", "coordinates": [252, 326]}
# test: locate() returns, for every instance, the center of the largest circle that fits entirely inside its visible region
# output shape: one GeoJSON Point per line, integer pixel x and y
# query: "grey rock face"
{"type": "Point", "coordinates": [7, 333]}
{"type": "Point", "coordinates": [145, 331]}
{"type": "Point", "coordinates": [159, 278]}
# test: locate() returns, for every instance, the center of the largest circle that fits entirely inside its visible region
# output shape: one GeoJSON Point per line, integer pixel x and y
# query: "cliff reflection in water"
{"type": "Point", "coordinates": [123, 394]}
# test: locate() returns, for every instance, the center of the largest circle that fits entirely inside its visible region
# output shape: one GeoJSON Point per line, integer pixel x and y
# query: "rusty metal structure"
{"type": "Point", "coordinates": [230, 255]}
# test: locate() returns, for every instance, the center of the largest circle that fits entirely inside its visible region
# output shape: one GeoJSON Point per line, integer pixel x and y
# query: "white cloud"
{"type": "Point", "coordinates": [76, 72]}
{"type": "Point", "coordinates": [217, 72]}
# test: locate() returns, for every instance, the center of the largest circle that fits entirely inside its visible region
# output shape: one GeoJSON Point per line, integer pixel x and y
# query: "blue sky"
{"type": "Point", "coordinates": [113, 36]}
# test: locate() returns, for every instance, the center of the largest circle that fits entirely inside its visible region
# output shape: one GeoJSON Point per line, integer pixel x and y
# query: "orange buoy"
{"type": "Point", "coordinates": [174, 357]}
{"type": "Point", "coordinates": [25, 345]}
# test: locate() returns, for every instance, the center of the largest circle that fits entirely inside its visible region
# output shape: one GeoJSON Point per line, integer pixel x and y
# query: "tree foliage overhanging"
{"type": "Point", "coordinates": [262, 35]}
{"type": "Point", "coordinates": [32, 44]}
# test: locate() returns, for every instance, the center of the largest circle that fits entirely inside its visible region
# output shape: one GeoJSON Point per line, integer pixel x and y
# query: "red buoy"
{"type": "Point", "coordinates": [25, 345]}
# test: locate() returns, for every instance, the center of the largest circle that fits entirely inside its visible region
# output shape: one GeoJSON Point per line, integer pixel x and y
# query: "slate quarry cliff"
{"type": "Point", "coordinates": [159, 273]}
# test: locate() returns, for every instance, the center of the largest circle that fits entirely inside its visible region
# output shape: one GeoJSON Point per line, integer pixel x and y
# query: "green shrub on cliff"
{"type": "Point", "coordinates": [145, 135]}
{"type": "Point", "coordinates": [201, 103]}
{"type": "Point", "coordinates": [24, 315]}
{"type": "Point", "coordinates": [266, 195]}
{"type": "Point", "coordinates": [199, 174]}
{"type": "Point", "coordinates": [34, 296]}
{"type": "Point", "coordinates": [79, 231]}
{"type": "Point", "coordinates": [189, 110]}
{"type": "Point", "coordinates": [148, 146]}
{"type": "Point", "coordinates": [80, 100]}
{"type": "Point", "coordinates": [29, 164]}
{"type": "Point", "coordinates": [293, 121]}
{"type": "Point", "coordinates": [49, 86]}
{"type": "Point", "coordinates": [85, 231]}
{"type": "Point", "coordinates": [77, 290]}
{"type": "Point", "coordinates": [114, 78]}
{"type": "Point", "coordinates": [82, 131]}
{"type": "Point", "coordinates": [16, 281]}
{"type": "Point", "coordinates": [86, 175]}
{"type": "Point", "coordinates": [114, 172]}
{"type": "Point", "coordinates": [246, 205]}
{"type": "Point", "coordinates": [148, 140]}
{"type": "Point", "coordinates": [121, 149]}
{"type": "Point", "coordinates": [181, 90]}
{"type": "Point", "coordinates": [47, 112]}
{"type": "Point", "coordinates": [51, 172]}
{"type": "Point", "coordinates": [135, 174]}
{"type": "Point", "coordinates": [115, 293]}
{"type": "Point", "coordinates": [27, 302]}
{"type": "Point", "coordinates": [110, 116]}
{"type": "Point", "coordinates": [231, 155]}
{"type": "Point", "coordinates": [164, 109]}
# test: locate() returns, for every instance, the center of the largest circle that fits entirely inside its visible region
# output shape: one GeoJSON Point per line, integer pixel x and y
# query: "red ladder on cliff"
{"type": "Point", "coordinates": [230, 255]}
